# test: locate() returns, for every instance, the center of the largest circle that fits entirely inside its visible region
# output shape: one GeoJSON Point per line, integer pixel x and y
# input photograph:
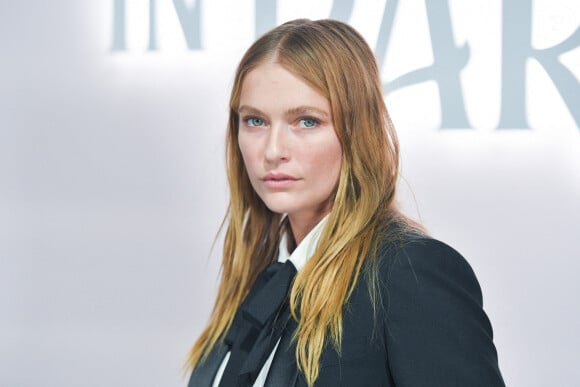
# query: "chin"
{"type": "Point", "coordinates": [279, 207]}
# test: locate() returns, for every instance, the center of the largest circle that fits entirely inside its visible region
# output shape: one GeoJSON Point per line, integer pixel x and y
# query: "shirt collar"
{"type": "Point", "coordinates": [305, 249]}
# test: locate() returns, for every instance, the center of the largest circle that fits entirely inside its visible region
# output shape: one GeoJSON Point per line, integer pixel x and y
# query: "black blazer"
{"type": "Point", "coordinates": [429, 329]}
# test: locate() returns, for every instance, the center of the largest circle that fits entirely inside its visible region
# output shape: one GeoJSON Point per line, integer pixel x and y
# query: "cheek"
{"type": "Point", "coordinates": [333, 154]}
{"type": "Point", "coordinates": [327, 164]}
{"type": "Point", "coordinates": [246, 150]}
{"type": "Point", "coordinates": [335, 165]}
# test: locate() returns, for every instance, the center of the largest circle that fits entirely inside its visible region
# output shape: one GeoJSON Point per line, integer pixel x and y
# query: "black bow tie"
{"type": "Point", "coordinates": [258, 324]}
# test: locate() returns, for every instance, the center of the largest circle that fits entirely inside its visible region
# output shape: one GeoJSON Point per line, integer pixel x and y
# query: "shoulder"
{"type": "Point", "coordinates": [421, 260]}
{"type": "Point", "coordinates": [436, 331]}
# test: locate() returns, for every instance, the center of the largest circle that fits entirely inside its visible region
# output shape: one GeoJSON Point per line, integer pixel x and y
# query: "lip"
{"type": "Point", "coordinates": [279, 180]}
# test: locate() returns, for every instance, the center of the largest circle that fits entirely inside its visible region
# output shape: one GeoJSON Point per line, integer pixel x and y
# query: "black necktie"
{"type": "Point", "coordinates": [258, 324]}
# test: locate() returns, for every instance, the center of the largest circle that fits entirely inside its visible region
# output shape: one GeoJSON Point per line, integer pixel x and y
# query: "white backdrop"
{"type": "Point", "coordinates": [112, 180]}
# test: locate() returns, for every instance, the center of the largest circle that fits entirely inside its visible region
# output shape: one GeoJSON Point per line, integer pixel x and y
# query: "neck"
{"type": "Point", "coordinates": [302, 225]}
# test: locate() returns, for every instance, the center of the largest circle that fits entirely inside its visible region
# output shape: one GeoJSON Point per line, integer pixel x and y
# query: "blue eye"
{"type": "Point", "coordinates": [254, 121]}
{"type": "Point", "coordinates": [308, 122]}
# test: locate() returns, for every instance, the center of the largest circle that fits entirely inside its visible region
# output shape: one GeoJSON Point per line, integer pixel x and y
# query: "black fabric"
{"type": "Point", "coordinates": [426, 327]}
{"type": "Point", "coordinates": [205, 371]}
{"type": "Point", "coordinates": [258, 325]}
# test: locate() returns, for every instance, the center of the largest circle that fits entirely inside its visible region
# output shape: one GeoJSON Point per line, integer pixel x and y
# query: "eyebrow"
{"type": "Point", "coordinates": [299, 110]}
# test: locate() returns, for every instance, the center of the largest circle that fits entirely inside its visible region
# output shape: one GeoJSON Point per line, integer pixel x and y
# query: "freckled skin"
{"type": "Point", "coordinates": [286, 128]}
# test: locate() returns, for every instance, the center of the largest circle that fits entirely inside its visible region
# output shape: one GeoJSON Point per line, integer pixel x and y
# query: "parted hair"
{"type": "Point", "coordinates": [334, 59]}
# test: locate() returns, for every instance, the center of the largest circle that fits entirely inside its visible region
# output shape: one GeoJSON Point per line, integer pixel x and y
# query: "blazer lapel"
{"type": "Point", "coordinates": [204, 373]}
{"type": "Point", "coordinates": [283, 371]}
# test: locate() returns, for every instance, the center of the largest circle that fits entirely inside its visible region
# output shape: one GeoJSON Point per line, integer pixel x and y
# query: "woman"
{"type": "Point", "coordinates": [324, 282]}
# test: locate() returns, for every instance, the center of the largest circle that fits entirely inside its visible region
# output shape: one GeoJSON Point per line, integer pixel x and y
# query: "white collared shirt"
{"type": "Point", "coordinates": [299, 257]}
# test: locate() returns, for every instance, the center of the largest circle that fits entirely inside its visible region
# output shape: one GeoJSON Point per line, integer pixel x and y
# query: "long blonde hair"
{"type": "Point", "coordinates": [335, 60]}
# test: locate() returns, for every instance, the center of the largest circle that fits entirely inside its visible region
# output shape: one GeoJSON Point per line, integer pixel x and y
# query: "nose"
{"type": "Point", "coordinates": [277, 148]}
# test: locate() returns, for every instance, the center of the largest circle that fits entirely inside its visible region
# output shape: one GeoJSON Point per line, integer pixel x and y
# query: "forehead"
{"type": "Point", "coordinates": [269, 86]}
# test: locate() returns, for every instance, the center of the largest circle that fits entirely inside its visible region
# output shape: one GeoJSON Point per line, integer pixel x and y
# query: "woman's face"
{"type": "Point", "coordinates": [288, 143]}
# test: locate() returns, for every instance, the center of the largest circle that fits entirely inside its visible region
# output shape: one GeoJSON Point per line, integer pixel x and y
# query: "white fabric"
{"type": "Point", "coordinates": [220, 371]}
{"type": "Point", "coordinates": [304, 250]}
{"type": "Point", "coordinates": [298, 258]}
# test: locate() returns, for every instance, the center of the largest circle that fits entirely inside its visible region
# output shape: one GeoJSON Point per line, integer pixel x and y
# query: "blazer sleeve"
{"type": "Point", "coordinates": [436, 331]}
